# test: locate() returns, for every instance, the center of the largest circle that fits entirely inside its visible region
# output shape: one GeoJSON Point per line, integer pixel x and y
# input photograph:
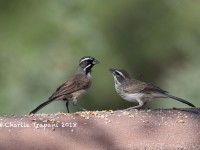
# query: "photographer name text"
{"type": "Point", "coordinates": [38, 125]}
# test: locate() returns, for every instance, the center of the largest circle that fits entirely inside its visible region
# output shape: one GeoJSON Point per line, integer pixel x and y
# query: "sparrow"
{"type": "Point", "coordinates": [134, 90]}
{"type": "Point", "coordinates": [75, 86]}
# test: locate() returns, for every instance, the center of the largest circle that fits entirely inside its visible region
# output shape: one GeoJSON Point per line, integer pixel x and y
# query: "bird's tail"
{"type": "Point", "coordinates": [180, 100]}
{"type": "Point", "coordinates": [41, 106]}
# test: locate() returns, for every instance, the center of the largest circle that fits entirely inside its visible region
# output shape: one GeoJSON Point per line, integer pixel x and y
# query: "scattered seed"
{"type": "Point", "coordinates": [181, 121]}
{"type": "Point", "coordinates": [111, 111]}
{"type": "Point", "coordinates": [31, 115]}
{"type": "Point", "coordinates": [131, 116]}
{"type": "Point", "coordinates": [87, 117]}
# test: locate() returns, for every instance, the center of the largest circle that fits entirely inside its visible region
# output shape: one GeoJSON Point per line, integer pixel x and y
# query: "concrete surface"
{"type": "Point", "coordinates": [114, 130]}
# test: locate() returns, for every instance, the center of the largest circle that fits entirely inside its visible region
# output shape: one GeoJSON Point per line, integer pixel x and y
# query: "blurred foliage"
{"type": "Point", "coordinates": [41, 43]}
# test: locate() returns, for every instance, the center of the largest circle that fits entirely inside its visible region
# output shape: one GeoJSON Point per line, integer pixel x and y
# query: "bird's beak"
{"type": "Point", "coordinates": [95, 62]}
{"type": "Point", "coordinates": [112, 70]}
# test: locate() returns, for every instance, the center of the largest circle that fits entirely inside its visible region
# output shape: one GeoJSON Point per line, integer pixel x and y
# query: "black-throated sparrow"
{"type": "Point", "coordinates": [75, 86]}
{"type": "Point", "coordinates": [134, 90]}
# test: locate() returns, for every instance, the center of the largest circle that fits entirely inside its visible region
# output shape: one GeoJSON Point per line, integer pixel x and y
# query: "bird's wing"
{"type": "Point", "coordinates": [133, 86]}
{"type": "Point", "coordinates": [149, 88]}
{"type": "Point", "coordinates": [136, 86]}
{"type": "Point", "coordinates": [73, 84]}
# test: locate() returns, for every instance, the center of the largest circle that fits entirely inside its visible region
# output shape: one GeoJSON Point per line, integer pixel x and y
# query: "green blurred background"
{"type": "Point", "coordinates": [41, 43]}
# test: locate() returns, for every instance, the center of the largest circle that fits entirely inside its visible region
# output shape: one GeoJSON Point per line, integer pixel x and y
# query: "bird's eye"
{"type": "Point", "coordinates": [117, 73]}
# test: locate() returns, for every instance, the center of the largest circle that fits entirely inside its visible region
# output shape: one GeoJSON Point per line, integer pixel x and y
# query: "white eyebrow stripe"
{"type": "Point", "coordinates": [87, 67]}
{"type": "Point", "coordinates": [120, 73]}
{"type": "Point", "coordinates": [85, 59]}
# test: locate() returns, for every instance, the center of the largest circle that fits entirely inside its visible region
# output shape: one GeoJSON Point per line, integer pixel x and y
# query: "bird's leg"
{"type": "Point", "coordinates": [141, 103]}
{"type": "Point", "coordinates": [67, 104]}
{"type": "Point", "coordinates": [83, 109]}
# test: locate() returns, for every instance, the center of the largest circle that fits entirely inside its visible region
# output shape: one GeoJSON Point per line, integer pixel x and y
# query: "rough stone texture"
{"type": "Point", "coordinates": [136, 129]}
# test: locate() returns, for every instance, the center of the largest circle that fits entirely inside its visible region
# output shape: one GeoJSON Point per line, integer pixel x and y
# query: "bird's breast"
{"type": "Point", "coordinates": [78, 94]}
{"type": "Point", "coordinates": [131, 97]}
